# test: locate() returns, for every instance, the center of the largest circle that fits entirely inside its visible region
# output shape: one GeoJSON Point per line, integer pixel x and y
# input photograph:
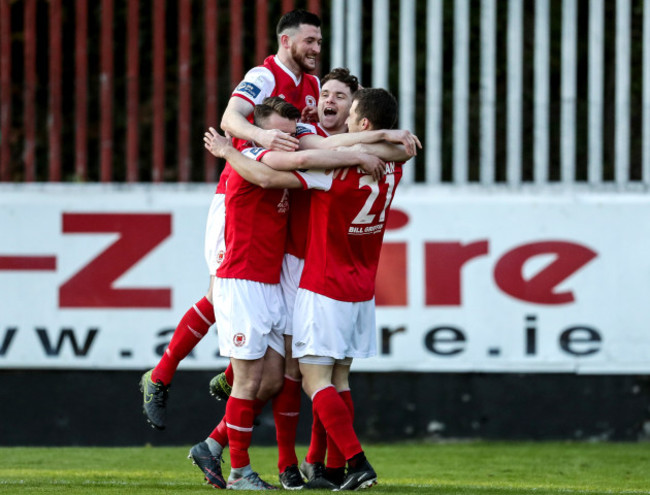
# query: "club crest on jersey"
{"type": "Point", "coordinates": [248, 89]}
{"type": "Point", "coordinates": [239, 339]}
{"type": "Point", "coordinates": [283, 205]}
{"type": "Point", "coordinates": [310, 101]}
{"type": "Point", "coordinates": [220, 256]}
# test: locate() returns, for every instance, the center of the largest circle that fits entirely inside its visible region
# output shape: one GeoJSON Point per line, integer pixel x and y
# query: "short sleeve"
{"type": "Point", "coordinates": [258, 83]}
{"type": "Point", "coordinates": [255, 153]}
{"type": "Point", "coordinates": [303, 130]}
{"type": "Point", "coordinates": [315, 179]}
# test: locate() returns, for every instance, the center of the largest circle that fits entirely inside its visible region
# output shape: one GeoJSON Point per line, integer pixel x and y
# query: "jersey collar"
{"type": "Point", "coordinates": [296, 80]}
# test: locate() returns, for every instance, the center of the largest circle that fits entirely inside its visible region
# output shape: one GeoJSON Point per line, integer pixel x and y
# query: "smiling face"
{"type": "Point", "coordinates": [334, 105]}
{"type": "Point", "coordinates": [304, 47]}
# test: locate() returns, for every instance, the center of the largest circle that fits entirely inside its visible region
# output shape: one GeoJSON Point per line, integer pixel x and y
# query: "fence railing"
{"type": "Point", "coordinates": [500, 91]}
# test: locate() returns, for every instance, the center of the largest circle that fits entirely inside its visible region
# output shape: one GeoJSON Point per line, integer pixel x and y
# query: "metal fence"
{"type": "Point", "coordinates": [502, 92]}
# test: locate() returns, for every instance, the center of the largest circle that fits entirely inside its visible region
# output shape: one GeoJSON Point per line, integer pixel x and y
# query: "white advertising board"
{"type": "Point", "coordinates": [97, 277]}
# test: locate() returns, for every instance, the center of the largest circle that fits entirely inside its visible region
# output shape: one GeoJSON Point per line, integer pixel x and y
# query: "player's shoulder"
{"type": "Point", "coordinates": [255, 80]}
{"type": "Point", "coordinates": [313, 81]}
{"type": "Point", "coordinates": [313, 78]}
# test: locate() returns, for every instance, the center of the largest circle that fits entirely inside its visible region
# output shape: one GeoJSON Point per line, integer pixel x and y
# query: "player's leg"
{"type": "Point", "coordinates": [286, 412]}
{"type": "Point", "coordinates": [240, 413]}
{"type": "Point", "coordinates": [208, 455]}
{"type": "Point", "coordinates": [313, 466]}
{"type": "Point", "coordinates": [154, 384]}
{"type": "Point", "coordinates": [245, 310]}
{"type": "Point", "coordinates": [190, 330]}
{"type": "Point", "coordinates": [335, 468]}
{"type": "Point", "coordinates": [336, 418]}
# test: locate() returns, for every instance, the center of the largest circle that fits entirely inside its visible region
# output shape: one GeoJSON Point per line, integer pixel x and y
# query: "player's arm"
{"type": "Point", "coordinates": [322, 159]}
{"type": "Point", "coordinates": [235, 122]}
{"type": "Point", "coordinates": [389, 152]}
{"type": "Point", "coordinates": [250, 170]}
{"type": "Point", "coordinates": [275, 173]}
{"type": "Point", "coordinates": [408, 140]}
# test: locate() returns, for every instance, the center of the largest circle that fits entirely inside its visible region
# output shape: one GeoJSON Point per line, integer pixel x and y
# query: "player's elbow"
{"type": "Point", "coordinates": [225, 123]}
{"type": "Point", "coordinates": [300, 161]}
{"type": "Point", "coordinates": [267, 181]}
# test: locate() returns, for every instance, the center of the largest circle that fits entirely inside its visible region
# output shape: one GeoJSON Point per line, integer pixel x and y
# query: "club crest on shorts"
{"type": "Point", "coordinates": [239, 339]}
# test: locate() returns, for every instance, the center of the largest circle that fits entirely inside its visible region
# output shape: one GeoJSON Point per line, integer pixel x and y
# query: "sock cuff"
{"type": "Point", "coordinates": [327, 390]}
{"type": "Point", "coordinates": [205, 310]}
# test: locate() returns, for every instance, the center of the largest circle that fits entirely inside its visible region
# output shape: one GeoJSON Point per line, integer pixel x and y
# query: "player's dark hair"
{"type": "Point", "coordinates": [274, 104]}
{"type": "Point", "coordinates": [343, 75]}
{"type": "Point", "coordinates": [378, 106]}
{"type": "Point", "coordinates": [293, 20]}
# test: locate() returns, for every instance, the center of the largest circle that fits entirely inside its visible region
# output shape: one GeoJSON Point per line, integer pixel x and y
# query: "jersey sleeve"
{"type": "Point", "coordinates": [303, 130]}
{"type": "Point", "coordinates": [315, 179]}
{"type": "Point", "coordinates": [255, 153]}
{"type": "Point", "coordinates": [258, 83]}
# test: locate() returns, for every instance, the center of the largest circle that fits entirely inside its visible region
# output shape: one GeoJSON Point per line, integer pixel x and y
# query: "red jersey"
{"type": "Point", "coordinates": [346, 230]}
{"type": "Point", "coordinates": [299, 201]}
{"type": "Point", "coordinates": [273, 78]}
{"type": "Point", "coordinates": [256, 228]}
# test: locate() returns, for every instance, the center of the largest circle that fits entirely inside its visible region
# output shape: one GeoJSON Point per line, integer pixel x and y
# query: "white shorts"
{"type": "Point", "coordinates": [251, 317]}
{"type": "Point", "coordinates": [326, 327]}
{"type": "Point", "coordinates": [289, 281]}
{"type": "Point", "coordinates": [215, 240]}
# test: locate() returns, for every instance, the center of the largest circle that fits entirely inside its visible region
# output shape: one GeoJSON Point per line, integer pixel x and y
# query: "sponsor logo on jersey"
{"type": "Point", "coordinates": [304, 130]}
{"type": "Point", "coordinates": [239, 339]}
{"type": "Point", "coordinates": [253, 152]}
{"type": "Point", "coordinates": [248, 89]}
{"type": "Point", "coordinates": [310, 101]}
{"type": "Point", "coordinates": [372, 229]}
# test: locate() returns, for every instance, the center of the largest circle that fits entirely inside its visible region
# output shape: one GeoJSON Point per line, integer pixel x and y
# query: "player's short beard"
{"type": "Point", "coordinates": [298, 59]}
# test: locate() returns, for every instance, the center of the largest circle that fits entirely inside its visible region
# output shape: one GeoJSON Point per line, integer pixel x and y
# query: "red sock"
{"type": "Point", "coordinates": [336, 419]}
{"type": "Point", "coordinates": [190, 330]}
{"type": "Point", "coordinates": [229, 376]}
{"type": "Point", "coordinates": [220, 433]}
{"type": "Point", "coordinates": [286, 412]}
{"type": "Point", "coordinates": [335, 459]}
{"type": "Point", "coordinates": [239, 420]}
{"type": "Point", "coordinates": [318, 442]}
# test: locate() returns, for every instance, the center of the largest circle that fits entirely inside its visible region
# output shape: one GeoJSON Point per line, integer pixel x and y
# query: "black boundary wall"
{"type": "Point", "coordinates": [103, 408]}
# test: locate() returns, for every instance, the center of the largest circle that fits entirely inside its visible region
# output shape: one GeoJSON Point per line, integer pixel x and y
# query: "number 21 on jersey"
{"type": "Point", "coordinates": [364, 216]}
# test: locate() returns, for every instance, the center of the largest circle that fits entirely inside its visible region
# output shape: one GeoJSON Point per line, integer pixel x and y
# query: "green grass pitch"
{"type": "Point", "coordinates": [482, 468]}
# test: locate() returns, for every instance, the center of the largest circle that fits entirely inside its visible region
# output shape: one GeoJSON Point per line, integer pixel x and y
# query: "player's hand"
{"type": "Point", "coordinates": [276, 140]}
{"type": "Point", "coordinates": [407, 138]}
{"type": "Point", "coordinates": [372, 165]}
{"type": "Point", "coordinates": [215, 143]}
{"type": "Point", "coordinates": [309, 114]}
{"type": "Point", "coordinates": [343, 172]}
